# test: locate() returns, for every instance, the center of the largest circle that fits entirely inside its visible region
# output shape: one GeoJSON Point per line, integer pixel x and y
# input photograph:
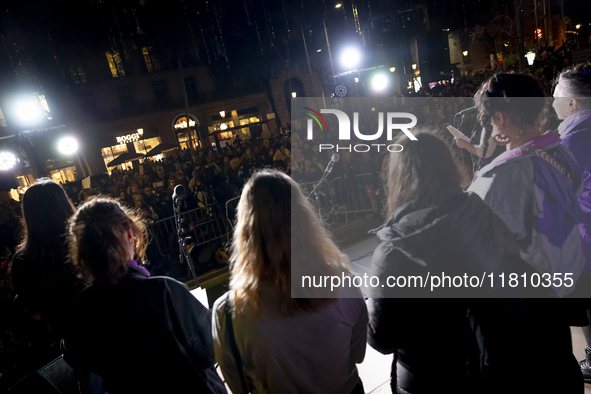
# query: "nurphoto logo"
{"type": "Point", "coordinates": [390, 118]}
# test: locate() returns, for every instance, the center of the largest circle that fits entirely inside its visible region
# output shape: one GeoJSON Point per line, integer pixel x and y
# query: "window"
{"type": "Point", "coordinates": [64, 175]}
{"type": "Point", "coordinates": [160, 93]}
{"type": "Point", "coordinates": [223, 126]}
{"type": "Point", "coordinates": [184, 142]}
{"type": "Point", "coordinates": [115, 64]}
{"type": "Point", "coordinates": [77, 75]}
{"type": "Point", "coordinates": [144, 146]}
{"type": "Point", "coordinates": [181, 123]}
{"type": "Point", "coordinates": [151, 60]}
{"type": "Point", "coordinates": [110, 153]}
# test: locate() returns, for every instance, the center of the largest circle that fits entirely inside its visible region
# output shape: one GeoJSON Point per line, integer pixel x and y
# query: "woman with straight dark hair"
{"type": "Point", "coordinates": [141, 334]}
{"type": "Point", "coordinates": [433, 227]}
{"type": "Point", "coordinates": [42, 277]}
{"type": "Point", "coordinates": [270, 334]}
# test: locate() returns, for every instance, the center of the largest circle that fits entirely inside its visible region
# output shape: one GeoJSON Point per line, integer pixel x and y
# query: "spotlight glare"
{"type": "Point", "coordinates": [379, 82]}
{"type": "Point", "coordinates": [28, 111]}
{"type": "Point", "coordinates": [67, 145]}
{"type": "Point", "coordinates": [350, 58]}
{"type": "Point", "coordinates": [7, 160]}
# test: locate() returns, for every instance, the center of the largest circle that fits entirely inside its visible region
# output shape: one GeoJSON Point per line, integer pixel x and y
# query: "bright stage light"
{"type": "Point", "coordinates": [379, 82]}
{"type": "Point", "coordinates": [28, 111]}
{"type": "Point", "coordinates": [350, 58]}
{"type": "Point", "coordinates": [7, 160]}
{"type": "Point", "coordinates": [67, 145]}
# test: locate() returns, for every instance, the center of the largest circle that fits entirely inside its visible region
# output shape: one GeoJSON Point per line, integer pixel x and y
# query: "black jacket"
{"type": "Point", "coordinates": [456, 343]}
{"type": "Point", "coordinates": [147, 335]}
{"type": "Point", "coordinates": [45, 286]}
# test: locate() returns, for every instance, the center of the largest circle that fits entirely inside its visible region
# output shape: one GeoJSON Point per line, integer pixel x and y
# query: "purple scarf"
{"type": "Point", "coordinates": [140, 267]}
{"type": "Point", "coordinates": [572, 121]}
{"type": "Point", "coordinates": [544, 141]}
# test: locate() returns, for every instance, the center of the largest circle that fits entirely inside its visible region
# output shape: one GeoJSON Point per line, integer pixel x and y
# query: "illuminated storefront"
{"type": "Point", "coordinates": [179, 126]}
{"type": "Point", "coordinates": [63, 175]}
{"type": "Point", "coordinates": [238, 122]}
{"type": "Point", "coordinates": [128, 143]}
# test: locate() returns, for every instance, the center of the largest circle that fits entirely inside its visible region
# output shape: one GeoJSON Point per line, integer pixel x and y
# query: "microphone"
{"type": "Point", "coordinates": [333, 160]}
{"type": "Point", "coordinates": [467, 111]}
{"type": "Point", "coordinates": [179, 191]}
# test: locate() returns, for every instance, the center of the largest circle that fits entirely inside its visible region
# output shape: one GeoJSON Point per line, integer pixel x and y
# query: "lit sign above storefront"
{"type": "Point", "coordinates": [128, 138]}
{"type": "Point", "coordinates": [183, 124]}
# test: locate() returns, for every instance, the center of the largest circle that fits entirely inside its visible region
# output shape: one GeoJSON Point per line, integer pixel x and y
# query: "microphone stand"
{"type": "Point", "coordinates": [183, 252]}
{"type": "Point", "coordinates": [316, 192]}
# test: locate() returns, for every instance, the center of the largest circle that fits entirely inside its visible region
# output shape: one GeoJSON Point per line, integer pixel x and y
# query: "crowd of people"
{"type": "Point", "coordinates": [80, 265]}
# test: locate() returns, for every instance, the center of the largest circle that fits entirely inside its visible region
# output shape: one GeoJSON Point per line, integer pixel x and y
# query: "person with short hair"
{"type": "Point", "coordinates": [141, 334]}
{"type": "Point", "coordinates": [572, 103]}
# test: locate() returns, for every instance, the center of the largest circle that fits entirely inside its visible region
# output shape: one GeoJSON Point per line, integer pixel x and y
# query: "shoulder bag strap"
{"type": "Point", "coordinates": [233, 346]}
{"type": "Point", "coordinates": [542, 154]}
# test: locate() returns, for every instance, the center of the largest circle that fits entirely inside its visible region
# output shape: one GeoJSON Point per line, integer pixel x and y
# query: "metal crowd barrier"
{"type": "Point", "coordinates": [339, 197]}
{"type": "Point", "coordinates": [342, 196]}
{"type": "Point", "coordinates": [201, 224]}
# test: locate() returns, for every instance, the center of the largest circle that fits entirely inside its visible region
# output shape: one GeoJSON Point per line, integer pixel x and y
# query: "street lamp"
{"type": "Point", "coordinates": [293, 94]}
{"type": "Point", "coordinates": [67, 145]}
{"type": "Point", "coordinates": [223, 114]}
{"type": "Point", "coordinates": [530, 56]}
{"type": "Point", "coordinates": [578, 26]}
{"type": "Point", "coordinates": [319, 50]}
{"type": "Point", "coordinates": [414, 66]}
{"type": "Point", "coordinates": [338, 5]}
{"type": "Point", "coordinates": [379, 82]}
{"type": "Point", "coordinates": [465, 53]}
{"type": "Point", "coordinates": [350, 58]}
{"type": "Point", "coordinates": [392, 69]}
{"type": "Point", "coordinates": [356, 80]}
{"type": "Point", "coordinates": [7, 160]}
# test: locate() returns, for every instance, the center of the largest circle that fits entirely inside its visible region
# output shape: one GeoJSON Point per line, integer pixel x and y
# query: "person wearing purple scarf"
{"type": "Point", "coordinates": [139, 333]}
{"type": "Point", "coordinates": [572, 103]}
{"type": "Point", "coordinates": [533, 186]}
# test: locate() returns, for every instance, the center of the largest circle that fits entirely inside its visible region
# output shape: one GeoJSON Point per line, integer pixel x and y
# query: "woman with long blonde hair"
{"type": "Point", "coordinates": [271, 333]}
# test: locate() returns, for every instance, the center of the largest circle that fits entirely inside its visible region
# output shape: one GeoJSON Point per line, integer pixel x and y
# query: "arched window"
{"type": "Point", "coordinates": [181, 129]}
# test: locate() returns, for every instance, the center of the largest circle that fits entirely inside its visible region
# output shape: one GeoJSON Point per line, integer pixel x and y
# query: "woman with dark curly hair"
{"type": "Point", "coordinates": [533, 185]}
{"type": "Point", "coordinates": [141, 334]}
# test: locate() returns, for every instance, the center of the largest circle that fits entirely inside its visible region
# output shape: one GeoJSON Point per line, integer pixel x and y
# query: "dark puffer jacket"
{"type": "Point", "coordinates": [145, 335]}
{"type": "Point", "coordinates": [442, 342]}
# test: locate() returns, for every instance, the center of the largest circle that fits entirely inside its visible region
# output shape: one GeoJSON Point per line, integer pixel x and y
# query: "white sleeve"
{"type": "Point", "coordinates": [492, 145]}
